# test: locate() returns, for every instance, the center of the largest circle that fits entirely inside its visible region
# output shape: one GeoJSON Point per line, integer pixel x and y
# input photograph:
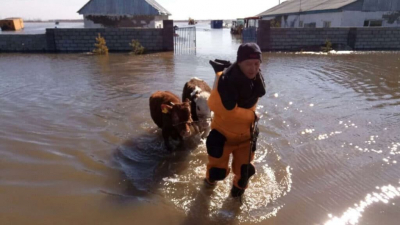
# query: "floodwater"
{"type": "Point", "coordinates": [78, 146]}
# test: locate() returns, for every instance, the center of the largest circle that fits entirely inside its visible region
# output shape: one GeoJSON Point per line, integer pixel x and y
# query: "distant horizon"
{"type": "Point", "coordinates": [46, 10]}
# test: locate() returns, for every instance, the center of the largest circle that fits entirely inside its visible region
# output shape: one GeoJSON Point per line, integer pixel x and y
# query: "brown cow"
{"type": "Point", "coordinates": [171, 115]}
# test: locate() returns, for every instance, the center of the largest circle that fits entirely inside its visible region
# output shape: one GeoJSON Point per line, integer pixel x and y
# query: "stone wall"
{"type": "Point", "coordinates": [78, 40]}
{"type": "Point", "coordinates": [295, 39]}
{"type": "Point", "coordinates": [23, 43]}
{"type": "Point", "coordinates": [378, 39]}
{"type": "Point", "coordinates": [83, 40]}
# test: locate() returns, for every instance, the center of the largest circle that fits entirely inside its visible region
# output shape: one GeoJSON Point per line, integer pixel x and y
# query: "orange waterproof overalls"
{"type": "Point", "coordinates": [230, 134]}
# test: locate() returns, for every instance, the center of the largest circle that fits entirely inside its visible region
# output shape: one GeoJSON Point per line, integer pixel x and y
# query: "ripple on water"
{"type": "Point", "coordinates": [178, 177]}
{"type": "Point", "coordinates": [186, 190]}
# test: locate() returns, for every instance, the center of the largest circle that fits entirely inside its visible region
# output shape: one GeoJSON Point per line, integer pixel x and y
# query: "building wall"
{"type": "Point", "coordinates": [90, 24]}
{"type": "Point", "coordinates": [357, 18]}
{"type": "Point", "coordinates": [338, 19]}
{"type": "Point", "coordinates": [381, 5]}
{"type": "Point", "coordinates": [83, 40]}
{"type": "Point", "coordinates": [293, 20]}
{"type": "Point", "coordinates": [295, 39]}
{"type": "Point", "coordinates": [158, 21]}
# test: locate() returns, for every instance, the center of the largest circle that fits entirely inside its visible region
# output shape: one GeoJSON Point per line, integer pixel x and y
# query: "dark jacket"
{"type": "Point", "coordinates": [235, 88]}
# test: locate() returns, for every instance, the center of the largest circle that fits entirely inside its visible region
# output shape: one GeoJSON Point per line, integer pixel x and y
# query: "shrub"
{"type": "Point", "coordinates": [327, 47]}
{"type": "Point", "coordinates": [101, 47]}
{"type": "Point", "coordinates": [137, 48]}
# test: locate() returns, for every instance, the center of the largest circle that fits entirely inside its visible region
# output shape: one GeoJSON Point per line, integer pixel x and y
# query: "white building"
{"type": "Point", "coordinates": [335, 13]}
{"type": "Point", "coordinates": [123, 13]}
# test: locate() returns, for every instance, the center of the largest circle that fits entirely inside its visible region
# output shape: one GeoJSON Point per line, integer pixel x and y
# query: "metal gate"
{"type": "Point", "coordinates": [249, 34]}
{"type": "Point", "coordinates": [185, 40]}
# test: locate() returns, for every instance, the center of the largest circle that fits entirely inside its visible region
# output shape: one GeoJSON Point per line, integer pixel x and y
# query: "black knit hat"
{"type": "Point", "coordinates": [248, 51]}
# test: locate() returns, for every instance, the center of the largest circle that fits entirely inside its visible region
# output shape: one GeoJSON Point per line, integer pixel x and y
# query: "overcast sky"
{"type": "Point", "coordinates": [180, 9]}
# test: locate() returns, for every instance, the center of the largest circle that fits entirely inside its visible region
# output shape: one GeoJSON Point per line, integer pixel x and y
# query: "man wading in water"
{"type": "Point", "coordinates": [233, 101]}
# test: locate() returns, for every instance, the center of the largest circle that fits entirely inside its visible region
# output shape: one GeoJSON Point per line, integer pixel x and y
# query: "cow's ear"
{"type": "Point", "coordinates": [165, 108]}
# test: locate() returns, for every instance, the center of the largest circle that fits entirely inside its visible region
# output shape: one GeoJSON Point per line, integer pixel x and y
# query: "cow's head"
{"type": "Point", "coordinates": [180, 116]}
{"type": "Point", "coordinates": [202, 110]}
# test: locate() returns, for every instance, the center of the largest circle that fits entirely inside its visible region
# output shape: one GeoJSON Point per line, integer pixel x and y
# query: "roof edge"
{"type": "Point", "coordinates": [87, 3]}
{"type": "Point", "coordinates": [305, 12]}
{"type": "Point", "coordinates": [291, 13]}
{"type": "Point", "coordinates": [167, 13]}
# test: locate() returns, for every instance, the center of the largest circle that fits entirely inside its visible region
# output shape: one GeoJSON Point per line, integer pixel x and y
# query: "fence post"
{"type": "Point", "coordinates": [168, 35]}
{"type": "Point", "coordinates": [264, 35]}
{"type": "Point", "coordinates": [51, 40]}
{"type": "Point", "coordinates": [352, 38]}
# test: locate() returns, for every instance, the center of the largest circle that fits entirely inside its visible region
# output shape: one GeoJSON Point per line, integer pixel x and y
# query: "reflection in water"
{"type": "Point", "coordinates": [353, 214]}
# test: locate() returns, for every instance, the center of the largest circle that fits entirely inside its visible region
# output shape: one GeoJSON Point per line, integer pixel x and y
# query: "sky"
{"type": "Point", "coordinates": [180, 9]}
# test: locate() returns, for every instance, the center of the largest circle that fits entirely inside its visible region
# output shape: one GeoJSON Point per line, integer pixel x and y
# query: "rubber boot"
{"type": "Point", "coordinates": [236, 192]}
{"type": "Point", "coordinates": [224, 62]}
{"type": "Point", "coordinates": [218, 67]}
{"type": "Point", "coordinates": [209, 183]}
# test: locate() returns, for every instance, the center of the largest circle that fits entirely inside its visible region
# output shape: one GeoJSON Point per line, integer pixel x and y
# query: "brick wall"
{"type": "Point", "coordinates": [78, 40]}
{"type": "Point", "coordinates": [378, 39]}
{"type": "Point", "coordinates": [295, 39]}
{"type": "Point", "coordinates": [83, 40]}
{"type": "Point", "coordinates": [23, 43]}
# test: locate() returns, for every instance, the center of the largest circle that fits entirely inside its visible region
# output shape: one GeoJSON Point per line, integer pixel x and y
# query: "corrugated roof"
{"type": "Point", "coordinates": [158, 6]}
{"type": "Point", "coordinates": [295, 6]}
{"type": "Point", "coordinates": [381, 5]}
{"type": "Point", "coordinates": [123, 8]}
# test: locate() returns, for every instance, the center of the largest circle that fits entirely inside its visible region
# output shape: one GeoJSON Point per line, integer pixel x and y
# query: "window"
{"type": "Point", "coordinates": [372, 23]}
{"type": "Point", "coordinates": [375, 23]}
{"type": "Point", "coordinates": [300, 23]}
{"type": "Point", "coordinates": [310, 25]}
{"type": "Point", "coordinates": [327, 24]}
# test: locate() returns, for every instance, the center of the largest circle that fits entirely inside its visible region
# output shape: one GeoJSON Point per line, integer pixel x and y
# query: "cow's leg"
{"type": "Point", "coordinates": [166, 134]}
{"type": "Point", "coordinates": [166, 130]}
{"type": "Point", "coordinates": [180, 141]}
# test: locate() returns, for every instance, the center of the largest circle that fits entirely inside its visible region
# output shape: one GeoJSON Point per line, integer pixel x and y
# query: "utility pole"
{"type": "Point", "coordinates": [300, 14]}
{"type": "Point", "coordinates": [300, 5]}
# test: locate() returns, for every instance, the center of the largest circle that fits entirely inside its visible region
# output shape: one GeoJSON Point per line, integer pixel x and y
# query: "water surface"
{"type": "Point", "coordinates": [78, 146]}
